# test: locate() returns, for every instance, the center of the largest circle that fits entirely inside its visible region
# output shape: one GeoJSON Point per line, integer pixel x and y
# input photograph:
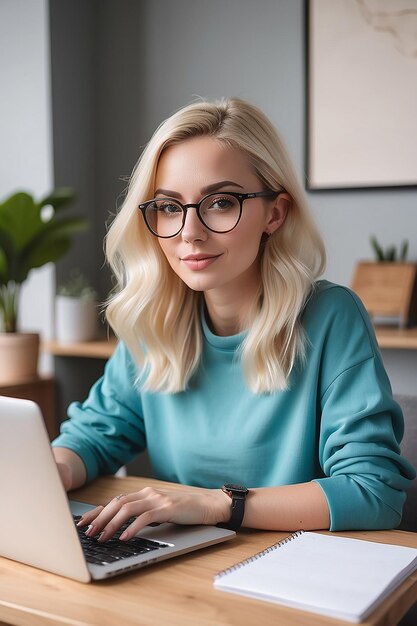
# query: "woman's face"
{"type": "Point", "coordinates": [203, 259]}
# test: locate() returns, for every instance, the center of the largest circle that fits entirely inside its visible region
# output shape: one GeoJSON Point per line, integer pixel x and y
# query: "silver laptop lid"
{"type": "Point", "coordinates": [33, 496]}
{"type": "Point", "coordinates": [38, 528]}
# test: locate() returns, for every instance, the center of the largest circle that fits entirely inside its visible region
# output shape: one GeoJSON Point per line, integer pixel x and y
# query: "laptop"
{"type": "Point", "coordinates": [38, 522]}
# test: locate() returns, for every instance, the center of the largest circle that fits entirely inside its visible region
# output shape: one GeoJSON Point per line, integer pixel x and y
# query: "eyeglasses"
{"type": "Point", "coordinates": [219, 212]}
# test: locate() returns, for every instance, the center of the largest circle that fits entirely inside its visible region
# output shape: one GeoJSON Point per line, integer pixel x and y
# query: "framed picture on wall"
{"type": "Point", "coordinates": [362, 93]}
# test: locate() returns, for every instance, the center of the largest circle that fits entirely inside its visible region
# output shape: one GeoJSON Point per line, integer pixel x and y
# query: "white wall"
{"type": "Point", "coordinates": [25, 131]}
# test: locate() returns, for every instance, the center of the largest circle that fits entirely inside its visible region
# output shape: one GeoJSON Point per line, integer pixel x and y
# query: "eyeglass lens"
{"type": "Point", "coordinates": [218, 212]}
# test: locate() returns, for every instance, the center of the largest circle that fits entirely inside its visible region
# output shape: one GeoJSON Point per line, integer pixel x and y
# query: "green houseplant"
{"type": "Point", "coordinates": [390, 254]}
{"type": "Point", "coordinates": [32, 233]}
{"type": "Point", "coordinates": [30, 237]}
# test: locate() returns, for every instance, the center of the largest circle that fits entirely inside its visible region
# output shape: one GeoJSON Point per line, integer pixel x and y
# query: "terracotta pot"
{"type": "Point", "coordinates": [19, 354]}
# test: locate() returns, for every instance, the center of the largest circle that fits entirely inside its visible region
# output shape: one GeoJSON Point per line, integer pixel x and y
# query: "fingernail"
{"type": "Point", "coordinates": [89, 530]}
{"type": "Point", "coordinates": [80, 522]}
{"type": "Point", "coordinates": [124, 535]}
{"type": "Point", "coordinates": [100, 538]}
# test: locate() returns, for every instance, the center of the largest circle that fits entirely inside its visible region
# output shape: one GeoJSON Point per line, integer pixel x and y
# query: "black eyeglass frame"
{"type": "Point", "coordinates": [239, 196]}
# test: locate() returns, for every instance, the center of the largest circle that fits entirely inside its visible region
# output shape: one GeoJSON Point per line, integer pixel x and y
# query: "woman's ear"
{"type": "Point", "coordinates": [279, 212]}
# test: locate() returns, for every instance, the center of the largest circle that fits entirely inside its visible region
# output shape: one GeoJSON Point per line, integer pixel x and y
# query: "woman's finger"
{"type": "Point", "coordinates": [89, 516]}
{"type": "Point", "coordinates": [151, 516]}
{"type": "Point", "coordinates": [144, 506]}
{"type": "Point", "coordinates": [138, 510]}
{"type": "Point", "coordinates": [100, 517]}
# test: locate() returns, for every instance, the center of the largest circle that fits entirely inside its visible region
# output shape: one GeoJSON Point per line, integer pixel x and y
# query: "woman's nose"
{"type": "Point", "coordinates": [194, 229]}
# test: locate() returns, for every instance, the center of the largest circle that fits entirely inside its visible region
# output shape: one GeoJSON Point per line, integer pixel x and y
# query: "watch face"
{"type": "Point", "coordinates": [236, 488]}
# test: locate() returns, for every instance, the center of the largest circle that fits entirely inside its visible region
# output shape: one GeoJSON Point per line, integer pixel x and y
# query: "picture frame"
{"type": "Point", "coordinates": [361, 94]}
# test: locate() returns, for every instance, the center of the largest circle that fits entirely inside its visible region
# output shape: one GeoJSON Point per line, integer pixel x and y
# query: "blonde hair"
{"type": "Point", "coordinates": [158, 316]}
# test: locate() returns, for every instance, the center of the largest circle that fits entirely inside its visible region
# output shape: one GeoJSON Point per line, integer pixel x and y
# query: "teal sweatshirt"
{"type": "Point", "coordinates": [337, 423]}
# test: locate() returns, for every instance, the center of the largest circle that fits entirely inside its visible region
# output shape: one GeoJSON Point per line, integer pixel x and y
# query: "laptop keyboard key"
{"type": "Point", "coordinates": [114, 550]}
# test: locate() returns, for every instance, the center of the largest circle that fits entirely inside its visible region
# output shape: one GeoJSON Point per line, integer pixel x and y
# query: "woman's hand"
{"type": "Point", "coordinates": [191, 506]}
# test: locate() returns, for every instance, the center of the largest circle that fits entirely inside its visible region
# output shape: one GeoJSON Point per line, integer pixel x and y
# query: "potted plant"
{"type": "Point", "coordinates": [388, 285]}
{"type": "Point", "coordinates": [390, 254]}
{"type": "Point", "coordinates": [76, 310]}
{"type": "Point", "coordinates": [32, 233]}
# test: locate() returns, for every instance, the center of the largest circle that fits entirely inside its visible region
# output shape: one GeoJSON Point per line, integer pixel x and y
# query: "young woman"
{"type": "Point", "coordinates": [235, 364]}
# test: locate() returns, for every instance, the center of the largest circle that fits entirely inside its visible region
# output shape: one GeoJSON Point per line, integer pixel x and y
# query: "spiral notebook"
{"type": "Point", "coordinates": [326, 574]}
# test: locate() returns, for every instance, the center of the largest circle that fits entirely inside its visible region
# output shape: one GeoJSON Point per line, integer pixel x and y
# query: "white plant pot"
{"type": "Point", "coordinates": [75, 320]}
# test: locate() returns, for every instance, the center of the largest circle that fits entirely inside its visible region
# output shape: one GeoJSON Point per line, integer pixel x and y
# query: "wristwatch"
{"type": "Point", "coordinates": [238, 494]}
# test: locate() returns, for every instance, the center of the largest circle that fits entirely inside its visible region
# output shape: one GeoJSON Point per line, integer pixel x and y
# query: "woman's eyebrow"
{"type": "Point", "coordinates": [207, 189]}
{"type": "Point", "coordinates": [219, 185]}
{"type": "Point", "coordinates": [167, 192]}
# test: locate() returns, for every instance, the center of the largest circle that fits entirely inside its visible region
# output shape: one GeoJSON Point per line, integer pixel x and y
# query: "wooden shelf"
{"type": "Point", "coordinates": [388, 338]}
{"type": "Point", "coordinates": [397, 338]}
{"type": "Point", "coordinates": [90, 349]}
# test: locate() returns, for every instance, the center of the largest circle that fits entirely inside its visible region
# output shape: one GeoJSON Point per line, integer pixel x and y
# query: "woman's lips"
{"type": "Point", "coordinates": [199, 261]}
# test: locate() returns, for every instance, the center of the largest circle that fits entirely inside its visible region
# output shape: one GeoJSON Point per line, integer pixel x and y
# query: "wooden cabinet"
{"type": "Point", "coordinates": [43, 392]}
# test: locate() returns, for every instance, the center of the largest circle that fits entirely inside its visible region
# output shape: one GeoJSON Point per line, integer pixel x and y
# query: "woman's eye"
{"type": "Point", "coordinates": [221, 203]}
{"type": "Point", "coordinates": [168, 208]}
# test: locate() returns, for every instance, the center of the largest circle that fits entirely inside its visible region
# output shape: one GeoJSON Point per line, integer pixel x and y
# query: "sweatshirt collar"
{"type": "Point", "coordinates": [230, 342]}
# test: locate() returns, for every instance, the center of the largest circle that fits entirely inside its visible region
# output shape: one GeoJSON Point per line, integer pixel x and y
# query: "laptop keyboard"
{"type": "Point", "coordinates": [114, 550]}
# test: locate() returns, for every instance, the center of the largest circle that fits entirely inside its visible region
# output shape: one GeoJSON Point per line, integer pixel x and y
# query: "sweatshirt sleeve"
{"type": "Point", "coordinates": [361, 429]}
{"type": "Point", "coordinates": [107, 430]}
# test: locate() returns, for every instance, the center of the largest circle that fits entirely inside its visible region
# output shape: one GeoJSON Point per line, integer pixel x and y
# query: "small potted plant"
{"type": "Point", "coordinates": [388, 285]}
{"type": "Point", "coordinates": [389, 254]}
{"type": "Point", "coordinates": [32, 233]}
{"type": "Point", "coordinates": [76, 310]}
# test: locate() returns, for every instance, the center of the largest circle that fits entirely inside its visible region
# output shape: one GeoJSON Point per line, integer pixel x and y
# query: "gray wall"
{"type": "Point", "coordinates": [136, 61]}
{"type": "Point", "coordinates": [26, 136]}
{"type": "Point", "coordinates": [73, 28]}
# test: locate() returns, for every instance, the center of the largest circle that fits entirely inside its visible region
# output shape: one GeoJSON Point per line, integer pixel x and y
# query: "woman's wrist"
{"type": "Point", "coordinates": [70, 467]}
{"type": "Point", "coordinates": [225, 507]}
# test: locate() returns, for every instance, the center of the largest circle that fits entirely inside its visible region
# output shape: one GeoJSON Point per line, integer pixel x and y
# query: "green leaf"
{"type": "Point", "coordinates": [59, 198]}
{"type": "Point", "coordinates": [3, 267]}
{"type": "Point", "coordinates": [20, 219]}
{"type": "Point", "coordinates": [6, 257]}
{"type": "Point", "coordinates": [377, 249]}
{"type": "Point", "coordinates": [51, 244]}
{"type": "Point", "coordinates": [40, 256]}
{"type": "Point", "coordinates": [404, 250]}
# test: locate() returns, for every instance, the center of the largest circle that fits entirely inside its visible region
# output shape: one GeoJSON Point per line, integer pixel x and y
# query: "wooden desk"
{"type": "Point", "coordinates": [178, 592]}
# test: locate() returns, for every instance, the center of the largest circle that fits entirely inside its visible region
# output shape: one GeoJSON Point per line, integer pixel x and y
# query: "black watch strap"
{"type": "Point", "coordinates": [238, 495]}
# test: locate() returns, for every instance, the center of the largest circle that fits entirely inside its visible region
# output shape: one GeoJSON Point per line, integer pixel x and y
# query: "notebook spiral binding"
{"type": "Point", "coordinates": [258, 555]}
